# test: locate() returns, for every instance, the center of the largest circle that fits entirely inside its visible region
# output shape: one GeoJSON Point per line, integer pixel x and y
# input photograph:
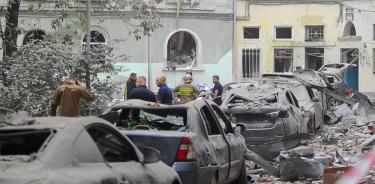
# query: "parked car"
{"type": "Point", "coordinates": [272, 115]}
{"type": "Point", "coordinates": [196, 138]}
{"type": "Point", "coordinates": [76, 151]}
{"type": "Point", "coordinates": [309, 97]}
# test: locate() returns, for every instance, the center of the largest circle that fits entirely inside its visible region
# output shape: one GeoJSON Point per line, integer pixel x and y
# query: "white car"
{"type": "Point", "coordinates": [76, 151]}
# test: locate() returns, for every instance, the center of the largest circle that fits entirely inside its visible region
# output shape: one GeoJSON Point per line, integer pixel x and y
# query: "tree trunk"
{"type": "Point", "coordinates": [10, 34]}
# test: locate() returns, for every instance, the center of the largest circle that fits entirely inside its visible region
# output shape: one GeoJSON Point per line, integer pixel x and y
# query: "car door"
{"type": "Point", "coordinates": [236, 143]}
{"type": "Point", "coordinates": [298, 115]}
{"type": "Point", "coordinates": [218, 140]}
{"type": "Point", "coordinates": [88, 164]}
{"type": "Point", "coordinates": [119, 154]}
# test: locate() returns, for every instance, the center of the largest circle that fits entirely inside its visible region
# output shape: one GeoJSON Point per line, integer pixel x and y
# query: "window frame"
{"type": "Point", "coordinates": [285, 39]}
{"type": "Point", "coordinates": [119, 136]}
{"type": "Point", "coordinates": [307, 33]}
{"type": "Point", "coordinates": [207, 123]}
{"type": "Point", "coordinates": [228, 128]}
{"type": "Point", "coordinates": [251, 27]}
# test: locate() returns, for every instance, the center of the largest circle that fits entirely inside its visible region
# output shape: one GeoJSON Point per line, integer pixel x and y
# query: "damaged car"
{"type": "Point", "coordinates": [196, 138]}
{"type": "Point", "coordinates": [75, 151]}
{"type": "Point", "coordinates": [272, 117]}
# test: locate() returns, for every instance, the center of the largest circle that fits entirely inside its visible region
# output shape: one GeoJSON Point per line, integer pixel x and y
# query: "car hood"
{"type": "Point", "coordinates": [18, 171]}
{"type": "Point", "coordinates": [309, 78]}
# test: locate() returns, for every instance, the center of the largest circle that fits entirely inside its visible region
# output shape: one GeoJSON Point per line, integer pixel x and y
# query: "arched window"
{"type": "Point", "coordinates": [349, 30]}
{"type": "Point", "coordinates": [34, 36]}
{"type": "Point", "coordinates": [97, 46]}
{"type": "Point", "coordinates": [182, 50]}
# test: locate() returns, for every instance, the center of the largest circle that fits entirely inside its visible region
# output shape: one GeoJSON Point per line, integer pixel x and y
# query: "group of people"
{"type": "Point", "coordinates": [68, 95]}
{"type": "Point", "coordinates": [186, 92]}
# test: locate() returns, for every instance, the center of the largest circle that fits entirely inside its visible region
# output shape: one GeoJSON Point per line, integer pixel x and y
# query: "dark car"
{"type": "Point", "coordinates": [272, 115]}
{"type": "Point", "coordinates": [76, 151]}
{"type": "Point", "coordinates": [196, 138]}
{"type": "Point", "coordinates": [309, 97]}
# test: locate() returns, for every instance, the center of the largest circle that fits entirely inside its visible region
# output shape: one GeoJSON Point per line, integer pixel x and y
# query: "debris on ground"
{"type": "Point", "coordinates": [334, 149]}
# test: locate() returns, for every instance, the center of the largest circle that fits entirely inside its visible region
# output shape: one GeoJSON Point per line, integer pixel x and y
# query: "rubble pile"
{"type": "Point", "coordinates": [331, 152]}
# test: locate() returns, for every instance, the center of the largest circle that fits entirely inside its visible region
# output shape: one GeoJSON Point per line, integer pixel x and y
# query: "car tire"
{"type": "Point", "coordinates": [242, 178]}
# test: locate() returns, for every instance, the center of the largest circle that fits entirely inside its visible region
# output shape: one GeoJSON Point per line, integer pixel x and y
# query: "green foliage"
{"type": "Point", "coordinates": [35, 70]}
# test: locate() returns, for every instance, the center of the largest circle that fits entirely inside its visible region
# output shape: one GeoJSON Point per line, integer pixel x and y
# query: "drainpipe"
{"type": "Point", "coordinates": [234, 43]}
{"type": "Point", "coordinates": [178, 13]}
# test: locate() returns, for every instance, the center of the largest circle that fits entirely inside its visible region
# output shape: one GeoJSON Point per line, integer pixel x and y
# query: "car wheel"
{"type": "Point", "coordinates": [332, 103]}
{"type": "Point", "coordinates": [242, 179]}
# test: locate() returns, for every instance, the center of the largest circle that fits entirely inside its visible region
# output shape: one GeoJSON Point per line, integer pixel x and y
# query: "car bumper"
{"type": "Point", "coordinates": [188, 171]}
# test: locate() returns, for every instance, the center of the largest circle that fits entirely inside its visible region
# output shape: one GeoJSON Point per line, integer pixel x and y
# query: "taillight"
{"type": "Point", "coordinates": [186, 150]}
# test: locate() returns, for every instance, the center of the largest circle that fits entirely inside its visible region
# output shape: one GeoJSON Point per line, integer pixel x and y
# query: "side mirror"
{"type": "Point", "coordinates": [239, 129]}
{"type": "Point", "coordinates": [151, 155]}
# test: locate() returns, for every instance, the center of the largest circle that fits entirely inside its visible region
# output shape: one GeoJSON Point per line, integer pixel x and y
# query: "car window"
{"type": "Point", "coordinates": [224, 123]}
{"type": "Point", "coordinates": [209, 121]}
{"type": "Point", "coordinates": [23, 144]}
{"type": "Point", "coordinates": [291, 98]}
{"type": "Point", "coordinates": [161, 119]}
{"type": "Point", "coordinates": [301, 94]}
{"type": "Point", "coordinates": [86, 150]}
{"type": "Point", "coordinates": [111, 146]}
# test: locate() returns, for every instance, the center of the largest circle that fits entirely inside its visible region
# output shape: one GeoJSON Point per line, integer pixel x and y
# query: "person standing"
{"type": "Point", "coordinates": [217, 91]}
{"type": "Point", "coordinates": [186, 92]}
{"type": "Point", "coordinates": [130, 85]}
{"type": "Point", "coordinates": [68, 97]}
{"type": "Point", "coordinates": [164, 94]}
{"type": "Point", "coordinates": [141, 92]}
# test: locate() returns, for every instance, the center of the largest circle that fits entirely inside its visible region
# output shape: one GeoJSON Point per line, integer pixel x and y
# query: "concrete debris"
{"type": "Point", "coordinates": [291, 167]}
{"type": "Point", "coordinates": [343, 110]}
{"type": "Point", "coordinates": [335, 148]}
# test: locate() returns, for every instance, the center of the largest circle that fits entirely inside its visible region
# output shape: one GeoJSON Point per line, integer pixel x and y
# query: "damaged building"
{"type": "Point", "coordinates": [184, 42]}
{"type": "Point", "coordinates": [285, 35]}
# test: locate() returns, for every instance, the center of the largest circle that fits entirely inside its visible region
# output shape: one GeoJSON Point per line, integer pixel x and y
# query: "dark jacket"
{"type": "Point", "coordinates": [165, 95]}
{"type": "Point", "coordinates": [142, 93]}
{"type": "Point", "coordinates": [130, 85]}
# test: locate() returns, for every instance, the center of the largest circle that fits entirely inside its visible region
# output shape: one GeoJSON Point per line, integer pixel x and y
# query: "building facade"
{"type": "Point", "coordinates": [284, 35]}
{"type": "Point", "coordinates": [281, 36]}
{"type": "Point", "coordinates": [196, 36]}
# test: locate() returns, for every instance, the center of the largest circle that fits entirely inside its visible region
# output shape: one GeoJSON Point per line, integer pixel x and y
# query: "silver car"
{"type": "Point", "coordinates": [78, 151]}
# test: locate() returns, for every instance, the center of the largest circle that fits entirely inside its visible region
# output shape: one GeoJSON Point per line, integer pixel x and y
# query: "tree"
{"type": "Point", "coordinates": [29, 74]}
{"type": "Point", "coordinates": [38, 68]}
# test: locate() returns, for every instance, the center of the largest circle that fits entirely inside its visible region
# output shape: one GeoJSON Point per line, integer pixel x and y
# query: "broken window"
{"type": "Point", "coordinates": [314, 33]}
{"type": "Point", "coordinates": [350, 56]}
{"type": "Point", "coordinates": [34, 36]}
{"type": "Point", "coordinates": [349, 29]}
{"type": "Point", "coordinates": [97, 46]}
{"type": "Point", "coordinates": [283, 60]}
{"type": "Point", "coordinates": [251, 33]}
{"type": "Point", "coordinates": [182, 50]}
{"type": "Point", "coordinates": [161, 119]}
{"type": "Point", "coordinates": [314, 58]}
{"type": "Point", "coordinates": [250, 63]}
{"type": "Point", "coordinates": [209, 121]}
{"type": "Point", "coordinates": [22, 142]}
{"type": "Point", "coordinates": [110, 145]}
{"type": "Point", "coordinates": [283, 33]}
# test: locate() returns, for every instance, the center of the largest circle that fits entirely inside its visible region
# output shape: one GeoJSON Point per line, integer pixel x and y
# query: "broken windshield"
{"type": "Point", "coordinates": [158, 119]}
{"type": "Point", "coordinates": [21, 145]}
